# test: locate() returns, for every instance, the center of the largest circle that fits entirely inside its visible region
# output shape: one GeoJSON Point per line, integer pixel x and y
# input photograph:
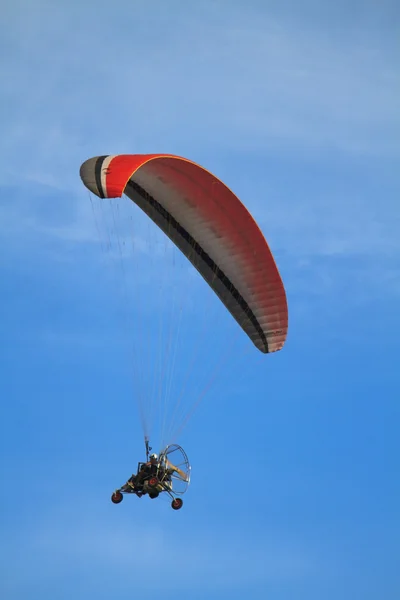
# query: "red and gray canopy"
{"type": "Point", "coordinates": [211, 227]}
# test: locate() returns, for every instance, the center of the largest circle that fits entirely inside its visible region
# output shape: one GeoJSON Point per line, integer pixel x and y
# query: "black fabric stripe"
{"type": "Point", "coordinates": [219, 274]}
{"type": "Point", "coordinates": [97, 175]}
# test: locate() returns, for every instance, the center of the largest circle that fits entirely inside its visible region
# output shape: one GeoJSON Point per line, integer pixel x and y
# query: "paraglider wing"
{"type": "Point", "coordinates": [211, 227]}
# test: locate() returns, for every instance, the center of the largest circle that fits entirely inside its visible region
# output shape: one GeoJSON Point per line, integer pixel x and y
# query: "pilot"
{"type": "Point", "coordinates": [147, 470]}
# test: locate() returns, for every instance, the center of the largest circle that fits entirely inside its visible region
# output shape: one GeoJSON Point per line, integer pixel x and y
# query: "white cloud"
{"type": "Point", "coordinates": [344, 223]}
{"type": "Point", "coordinates": [158, 82]}
{"type": "Point", "coordinates": [210, 79]}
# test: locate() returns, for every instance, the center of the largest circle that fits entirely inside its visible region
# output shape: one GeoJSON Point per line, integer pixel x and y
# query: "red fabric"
{"type": "Point", "coordinates": [228, 218]}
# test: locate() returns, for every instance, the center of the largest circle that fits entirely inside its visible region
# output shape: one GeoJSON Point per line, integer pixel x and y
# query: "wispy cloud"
{"type": "Point", "coordinates": [240, 78]}
{"type": "Point", "coordinates": [315, 222]}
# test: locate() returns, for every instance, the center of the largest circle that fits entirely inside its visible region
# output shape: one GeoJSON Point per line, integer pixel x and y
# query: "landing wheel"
{"type": "Point", "coordinates": [177, 503]}
{"type": "Point", "coordinates": [153, 482]}
{"type": "Point", "coordinates": [153, 495]}
{"type": "Point", "coordinates": [117, 497]}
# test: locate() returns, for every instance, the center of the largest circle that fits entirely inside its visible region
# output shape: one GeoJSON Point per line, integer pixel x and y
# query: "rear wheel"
{"type": "Point", "coordinates": [153, 482]}
{"type": "Point", "coordinates": [153, 495]}
{"type": "Point", "coordinates": [117, 497]}
{"type": "Point", "coordinates": [177, 503]}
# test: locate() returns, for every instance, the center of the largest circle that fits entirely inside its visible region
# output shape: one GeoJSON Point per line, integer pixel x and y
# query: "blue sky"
{"type": "Point", "coordinates": [295, 105]}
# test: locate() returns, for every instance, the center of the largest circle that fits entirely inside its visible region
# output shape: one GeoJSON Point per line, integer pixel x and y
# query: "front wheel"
{"type": "Point", "coordinates": [177, 503]}
{"type": "Point", "coordinates": [117, 497]}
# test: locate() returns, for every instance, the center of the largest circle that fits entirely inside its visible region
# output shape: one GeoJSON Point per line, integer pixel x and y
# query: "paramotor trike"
{"type": "Point", "coordinates": [170, 473]}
